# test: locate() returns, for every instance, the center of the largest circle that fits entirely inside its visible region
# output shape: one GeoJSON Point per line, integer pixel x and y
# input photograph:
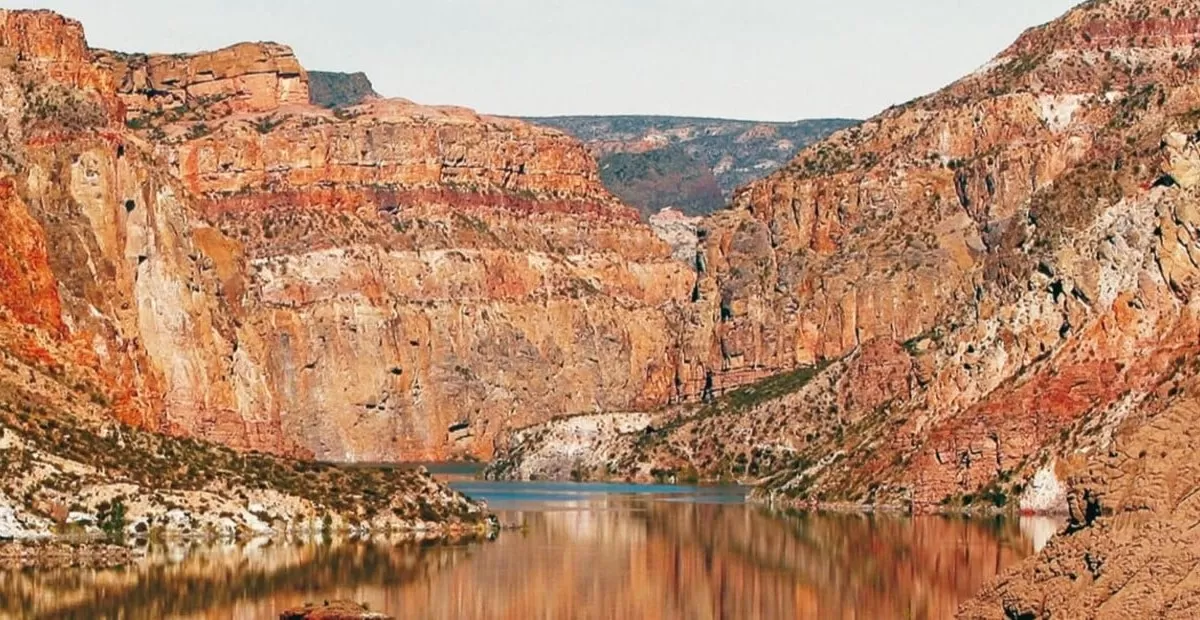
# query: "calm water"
{"type": "Point", "coordinates": [586, 551]}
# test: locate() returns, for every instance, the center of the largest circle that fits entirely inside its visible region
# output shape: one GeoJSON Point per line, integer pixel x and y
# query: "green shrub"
{"type": "Point", "coordinates": [112, 521]}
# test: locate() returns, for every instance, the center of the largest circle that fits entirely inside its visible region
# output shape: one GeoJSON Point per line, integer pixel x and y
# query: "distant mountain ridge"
{"type": "Point", "coordinates": [650, 162]}
{"type": "Point", "coordinates": [693, 164]}
{"type": "Point", "coordinates": [330, 89]}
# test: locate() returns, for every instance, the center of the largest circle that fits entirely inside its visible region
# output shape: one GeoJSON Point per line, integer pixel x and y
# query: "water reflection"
{"type": "Point", "coordinates": [585, 552]}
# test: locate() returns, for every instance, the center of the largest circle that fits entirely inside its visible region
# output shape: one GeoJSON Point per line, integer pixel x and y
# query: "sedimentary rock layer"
{"type": "Point", "coordinates": [118, 310]}
{"type": "Point", "coordinates": [214, 256]}
{"type": "Point", "coordinates": [983, 282]}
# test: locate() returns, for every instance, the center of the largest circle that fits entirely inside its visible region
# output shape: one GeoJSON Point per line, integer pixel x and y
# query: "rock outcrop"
{"type": "Point", "coordinates": [1130, 550]}
{"type": "Point", "coordinates": [245, 78]}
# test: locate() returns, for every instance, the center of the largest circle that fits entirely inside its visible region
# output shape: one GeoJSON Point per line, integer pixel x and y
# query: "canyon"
{"type": "Point", "coordinates": [980, 300]}
{"type": "Point", "coordinates": [938, 308]}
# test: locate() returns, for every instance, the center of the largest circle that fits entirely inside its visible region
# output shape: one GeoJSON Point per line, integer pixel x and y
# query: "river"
{"type": "Point", "coordinates": [582, 551]}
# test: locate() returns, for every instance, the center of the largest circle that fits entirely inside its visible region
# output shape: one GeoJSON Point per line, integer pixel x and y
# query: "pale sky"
{"type": "Point", "coordinates": [752, 59]}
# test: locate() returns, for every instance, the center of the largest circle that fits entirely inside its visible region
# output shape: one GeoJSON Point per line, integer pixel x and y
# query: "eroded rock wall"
{"type": "Point", "coordinates": [984, 281]}
{"type": "Point", "coordinates": [120, 307]}
{"type": "Point", "coordinates": [221, 259]}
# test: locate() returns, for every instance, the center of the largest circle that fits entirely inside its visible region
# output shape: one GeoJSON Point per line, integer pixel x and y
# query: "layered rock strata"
{"type": "Point", "coordinates": [214, 256]}
{"type": "Point", "coordinates": [122, 326]}
{"type": "Point", "coordinates": [937, 309]}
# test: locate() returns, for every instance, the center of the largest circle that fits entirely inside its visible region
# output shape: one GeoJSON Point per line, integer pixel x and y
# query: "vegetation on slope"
{"type": "Point", "coordinates": [57, 457]}
{"type": "Point", "coordinates": [659, 179]}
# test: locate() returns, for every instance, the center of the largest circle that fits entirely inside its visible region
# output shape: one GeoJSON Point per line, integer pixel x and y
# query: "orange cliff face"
{"type": "Point", "coordinates": [988, 280]}
{"type": "Point", "coordinates": [1004, 231]}
{"type": "Point", "coordinates": [388, 282]}
{"type": "Point", "coordinates": [248, 77]}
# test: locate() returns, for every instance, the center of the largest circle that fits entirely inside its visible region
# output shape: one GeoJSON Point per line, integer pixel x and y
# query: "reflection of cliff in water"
{"type": "Point", "coordinates": [654, 559]}
{"type": "Point", "coordinates": [823, 566]}
{"type": "Point", "coordinates": [607, 557]}
{"type": "Point", "coordinates": [229, 582]}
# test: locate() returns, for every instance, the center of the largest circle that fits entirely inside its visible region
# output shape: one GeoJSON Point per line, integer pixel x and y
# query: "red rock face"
{"type": "Point", "coordinates": [44, 37]}
{"type": "Point", "coordinates": [1000, 229]}
{"type": "Point", "coordinates": [28, 292]}
{"type": "Point", "coordinates": [998, 275]}
{"type": "Point", "coordinates": [388, 282]}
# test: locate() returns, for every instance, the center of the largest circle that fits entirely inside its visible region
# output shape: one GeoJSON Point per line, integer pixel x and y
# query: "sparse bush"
{"type": "Point", "coordinates": [53, 105]}
{"type": "Point", "coordinates": [267, 124]}
{"type": "Point", "coordinates": [199, 130]}
{"type": "Point", "coordinates": [112, 521]}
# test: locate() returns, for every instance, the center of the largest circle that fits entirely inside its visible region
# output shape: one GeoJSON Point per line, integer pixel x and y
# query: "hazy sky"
{"type": "Point", "coordinates": [756, 59]}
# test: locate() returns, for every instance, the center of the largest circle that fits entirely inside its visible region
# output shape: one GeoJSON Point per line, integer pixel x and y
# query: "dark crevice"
{"type": "Point", "coordinates": [1165, 180]}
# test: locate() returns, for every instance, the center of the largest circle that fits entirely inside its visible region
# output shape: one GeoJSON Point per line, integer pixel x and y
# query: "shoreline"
{"type": "Point", "coordinates": [755, 498]}
{"type": "Point", "coordinates": [903, 509]}
{"type": "Point", "coordinates": [99, 551]}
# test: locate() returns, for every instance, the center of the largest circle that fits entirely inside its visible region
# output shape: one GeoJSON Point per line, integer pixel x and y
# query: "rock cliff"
{"type": "Point", "coordinates": [940, 308]}
{"type": "Point", "coordinates": [216, 257]}
{"type": "Point", "coordinates": [121, 313]}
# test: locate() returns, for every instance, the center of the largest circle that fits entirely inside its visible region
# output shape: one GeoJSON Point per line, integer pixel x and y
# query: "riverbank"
{"type": "Point", "coordinates": [65, 477]}
{"type": "Point", "coordinates": [97, 552]}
